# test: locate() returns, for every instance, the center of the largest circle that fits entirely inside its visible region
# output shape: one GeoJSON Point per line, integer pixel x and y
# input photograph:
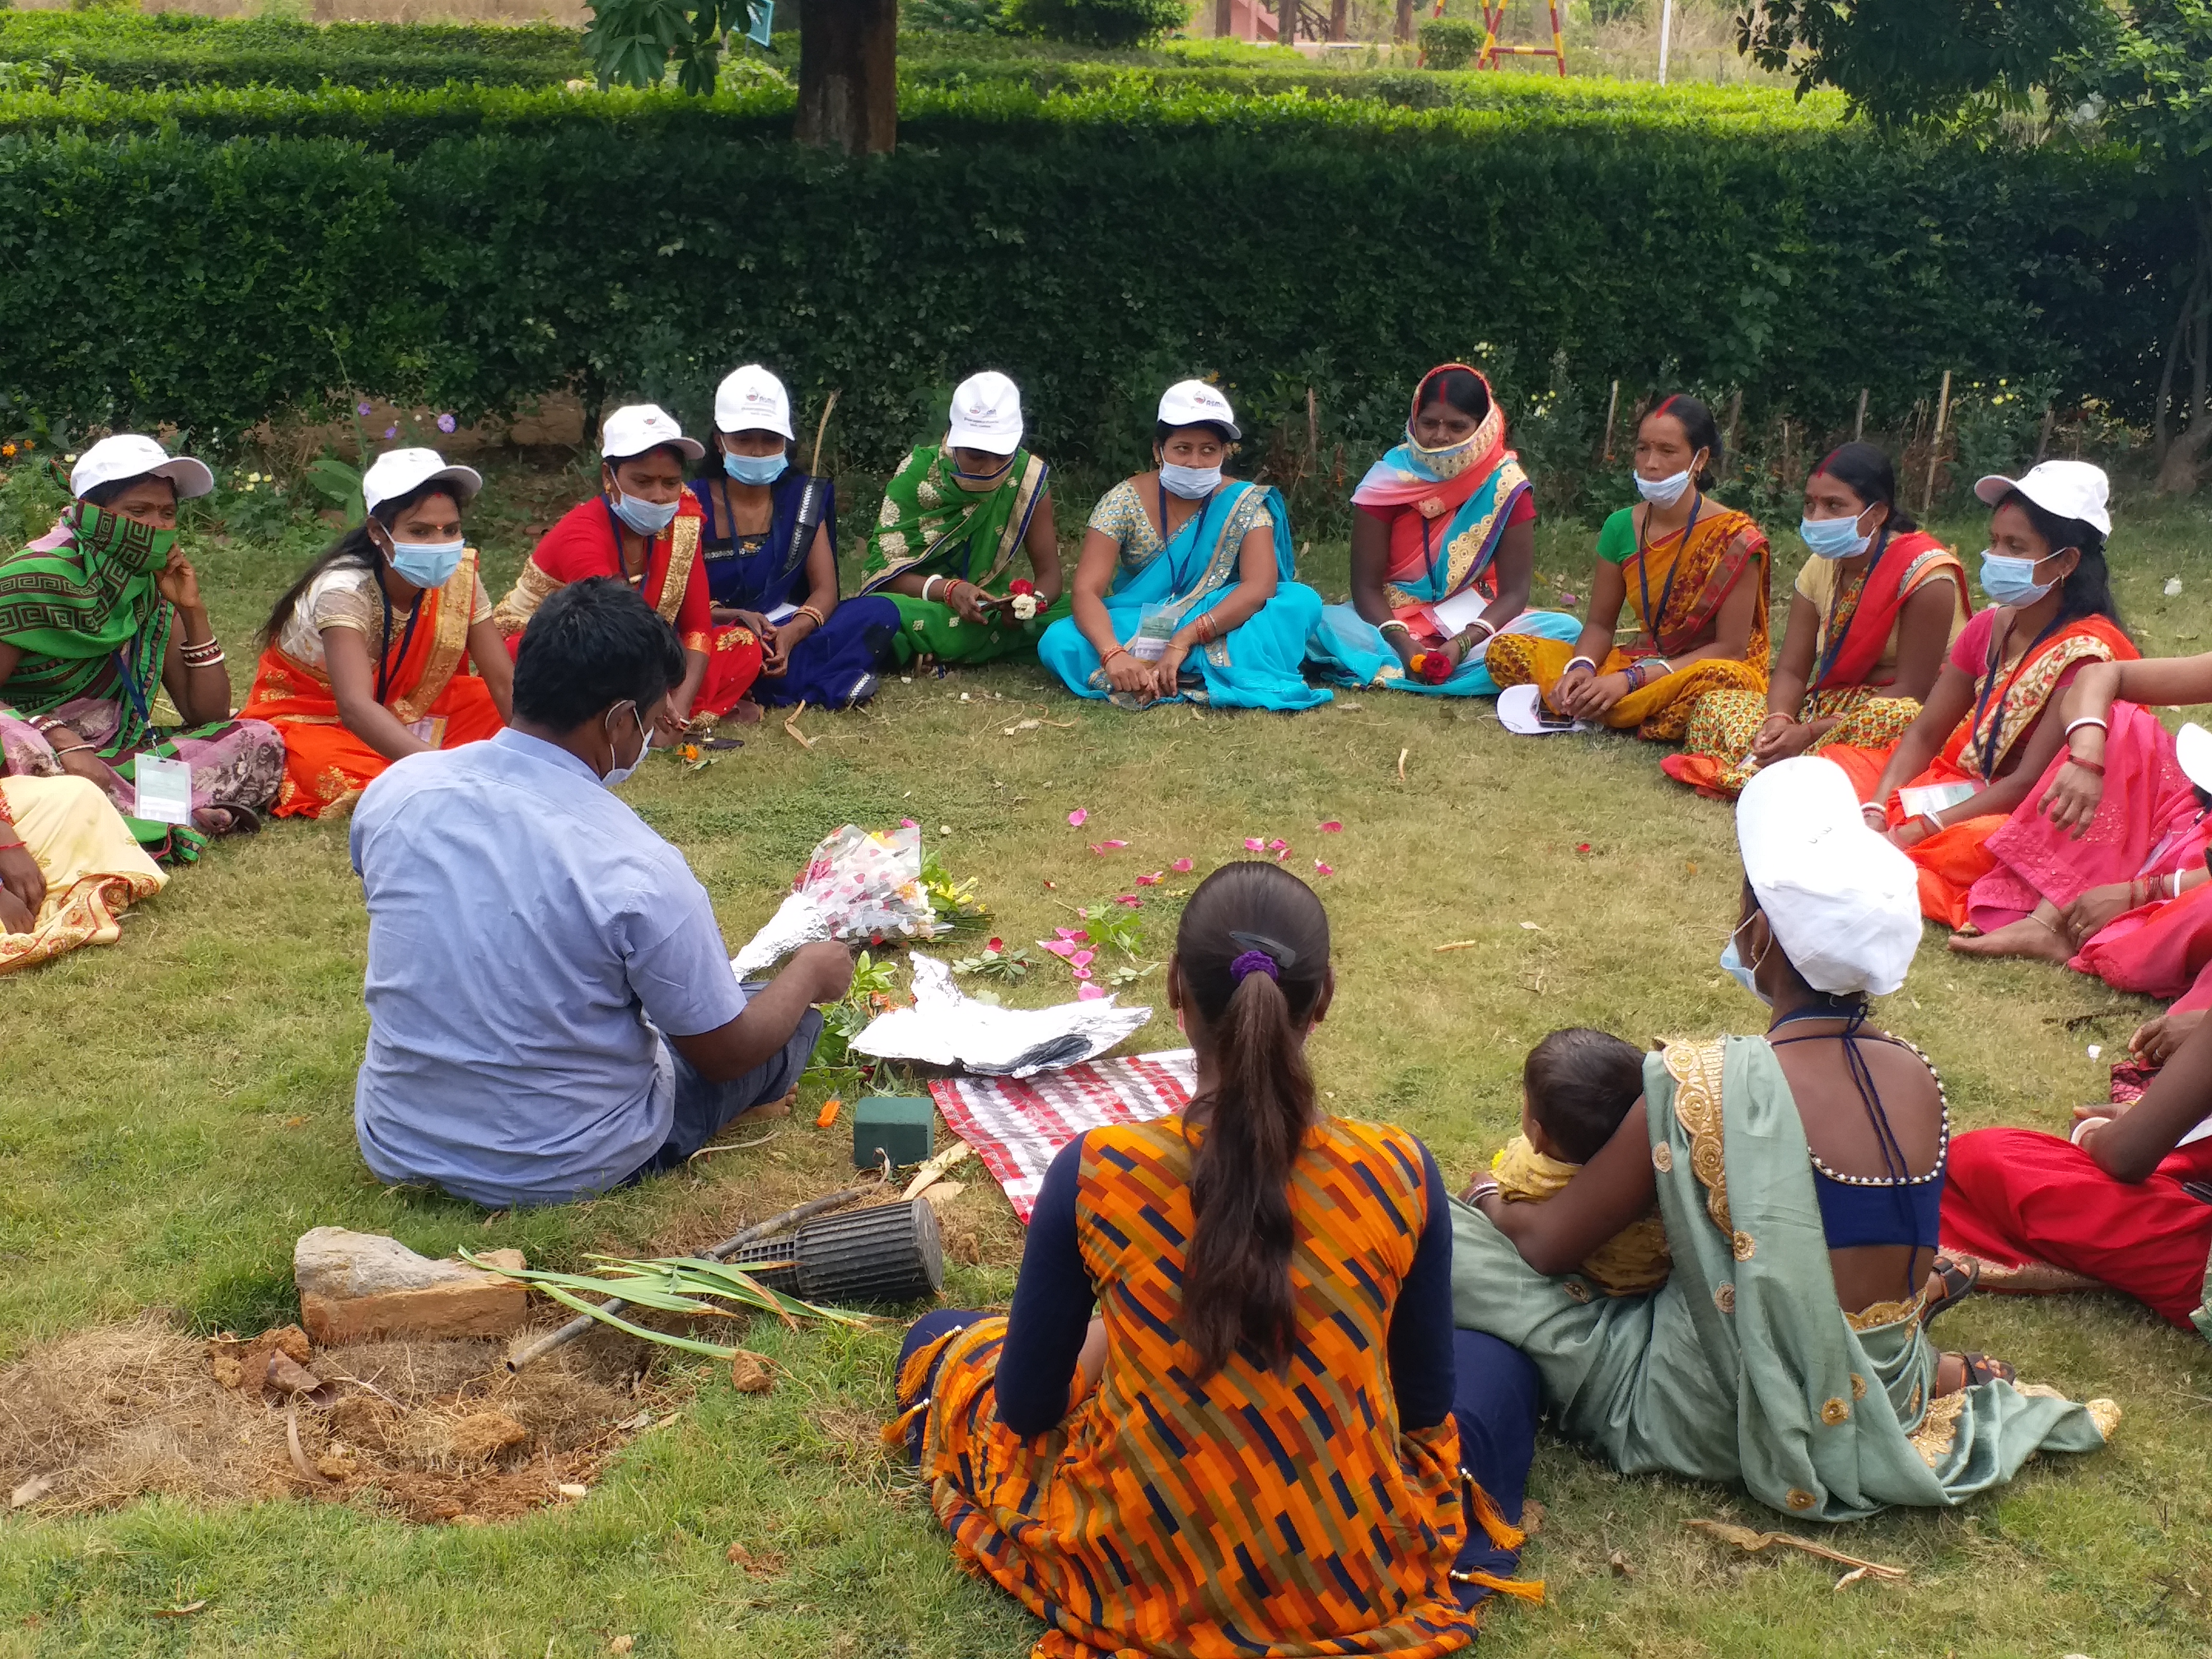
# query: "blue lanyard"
{"type": "Point", "coordinates": [1667, 588]}
{"type": "Point", "coordinates": [1199, 521]}
{"type": "Point", "coordinates": [1836, 642]}
{"type": "Point", "coordinates": [1989, 684]}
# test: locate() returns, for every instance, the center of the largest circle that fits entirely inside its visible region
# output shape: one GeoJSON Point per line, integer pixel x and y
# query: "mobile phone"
{"type": "Point", "coordinates": [1550, 720]}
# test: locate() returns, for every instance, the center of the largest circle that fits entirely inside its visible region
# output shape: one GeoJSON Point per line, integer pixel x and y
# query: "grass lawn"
{"type": "Point", "coordinates": [175, 1110]}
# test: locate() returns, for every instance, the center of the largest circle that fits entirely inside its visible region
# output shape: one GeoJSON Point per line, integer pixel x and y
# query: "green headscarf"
{"type": "Point", "coordinates": [930, 523]}
{"type": "Point", "coordinates": [71, 609]}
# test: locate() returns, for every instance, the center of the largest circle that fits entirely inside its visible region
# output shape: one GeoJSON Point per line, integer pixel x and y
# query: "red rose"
{"type": "Point", "coordinates": [1023, 584]}
{"type": "Point", "coordinates": [998, 944]}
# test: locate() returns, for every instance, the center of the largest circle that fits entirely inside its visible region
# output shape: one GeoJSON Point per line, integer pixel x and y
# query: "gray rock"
{"type": "Point", "coordinates": [333, 1262]}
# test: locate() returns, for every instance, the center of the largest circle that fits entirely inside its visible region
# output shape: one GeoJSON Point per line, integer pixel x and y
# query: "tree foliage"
{"type": "Point", "coordinates": [631, 43]}
{"type": "Point", "coordinates": [1117, 23]}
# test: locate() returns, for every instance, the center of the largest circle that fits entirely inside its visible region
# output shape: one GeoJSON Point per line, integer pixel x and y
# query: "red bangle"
{"type": "Point", "coordinates": [2097, 767]}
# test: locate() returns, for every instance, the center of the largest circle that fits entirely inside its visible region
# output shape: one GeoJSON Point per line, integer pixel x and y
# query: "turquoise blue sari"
{"type": "Point", "coordinates": [1454, 558]}
{"type": "Point", "coordinates": [1257, 665]}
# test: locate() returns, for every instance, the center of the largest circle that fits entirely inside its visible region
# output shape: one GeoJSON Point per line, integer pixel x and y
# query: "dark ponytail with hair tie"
{"type": "Point", "coordinates": [1252, 957]}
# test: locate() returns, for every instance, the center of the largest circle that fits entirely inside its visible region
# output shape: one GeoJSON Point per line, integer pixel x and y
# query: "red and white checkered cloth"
{"type": "Point", "coordinates": [1017, 1124]}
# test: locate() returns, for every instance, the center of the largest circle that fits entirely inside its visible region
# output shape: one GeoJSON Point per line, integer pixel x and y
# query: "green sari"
{"type": "Point", "coordinates": [1742, 1367]}
{"type": "Point", "coordinates": [931, 526]}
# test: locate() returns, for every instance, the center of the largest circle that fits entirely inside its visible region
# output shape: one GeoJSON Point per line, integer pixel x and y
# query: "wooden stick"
{"type": "Point", "coordinates": [1858, 427]}
{"type": "Point", "coordinates": [1935, 445]}
{"type": "Point", "coordinates": [1458, 945]}
{"type": "Point", "coordinates": [1736, 412]}
{"type": "Point", "coordinates": [822, 430]}
{"type": "Point", "coordinates": [1611, 408]}
{"type": "Point", "coordinates": [2043, 443]}
{"type": "Point", "coordinates": [1744, 1538]}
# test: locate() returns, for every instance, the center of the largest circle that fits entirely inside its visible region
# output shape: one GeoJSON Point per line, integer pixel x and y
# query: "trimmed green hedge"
{"type": "Point", "coordinates": [173, 49]}
{"type": "Point", "coordinates": [208, 259]}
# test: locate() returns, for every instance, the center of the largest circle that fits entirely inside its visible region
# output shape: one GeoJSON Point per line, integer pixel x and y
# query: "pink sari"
{"type": "Point", "coordinates": [2145, 825]}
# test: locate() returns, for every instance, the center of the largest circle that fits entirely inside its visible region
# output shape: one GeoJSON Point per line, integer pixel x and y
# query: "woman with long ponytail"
{"type": "Point", "coordinates": [1269, 1435]}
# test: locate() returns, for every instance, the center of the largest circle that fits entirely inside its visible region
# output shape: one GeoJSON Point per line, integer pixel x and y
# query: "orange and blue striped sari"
{"type": "Point", "coordinates": [1251, 1512]}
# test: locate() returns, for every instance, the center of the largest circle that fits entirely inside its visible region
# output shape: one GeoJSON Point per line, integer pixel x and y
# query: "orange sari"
{"type": "Point", "coordinates": [428, 686]}
{"type": "Point", "coordinates": [1684, 578]}
{"type": "Point", "coordinates": [2006, 706]}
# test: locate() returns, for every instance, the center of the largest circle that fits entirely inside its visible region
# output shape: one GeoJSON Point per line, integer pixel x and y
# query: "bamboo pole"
{"type": "Point", "coordinates": [2043, 443]}
{"type": "Point", "coordinates": [1858, 427]}
{"type": "Point", "coordinates": [1935, 445]}
{"type": "Point", "coordinates": [1611, 408]}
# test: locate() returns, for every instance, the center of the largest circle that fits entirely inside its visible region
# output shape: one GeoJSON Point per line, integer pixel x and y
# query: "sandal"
{"type": "Point", "coordinates": [1958, 1282]}
{"type": "Point", "coordinates": [1979, 1368]}
{"type": "Point", "coordinates": [237, 820]}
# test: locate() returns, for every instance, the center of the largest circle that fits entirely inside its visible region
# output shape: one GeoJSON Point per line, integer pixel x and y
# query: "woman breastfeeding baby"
{"type": "Point", "coordinates": [1797, 1176]}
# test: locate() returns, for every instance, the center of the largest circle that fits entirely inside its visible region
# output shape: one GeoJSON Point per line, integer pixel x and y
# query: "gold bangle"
{"type": "Point", "coordinates": [820, 621]}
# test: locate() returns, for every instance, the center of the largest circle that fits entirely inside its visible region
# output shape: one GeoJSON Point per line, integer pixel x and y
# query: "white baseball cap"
{"type": "Point", "coordinates": [750, 399]}
{"type": "Point", "coordinates": [987, 415]}
{"type": "Point", "coordinates": [2192, 746]}
{"type": "Point", "coordinates": [635, 427]}
{"type": "Point", "coordinates": [1194, 403]}
{"type": "Point", "coordinates": [2072, 489]}
{"type": "Point", "coordinates": [1842, 901]}
{"type": "Point", "coordinates": [397, 472]}
{"type": "Point", "coordinates": [128, 455]}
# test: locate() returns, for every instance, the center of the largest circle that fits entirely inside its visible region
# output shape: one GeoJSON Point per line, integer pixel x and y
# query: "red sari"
{"type": "Point", "coordinates": [2009, 705]}
{"type": "Point", "coordinates": [428, 686]}
{"type": "Point", "coordinates": [587, 542]}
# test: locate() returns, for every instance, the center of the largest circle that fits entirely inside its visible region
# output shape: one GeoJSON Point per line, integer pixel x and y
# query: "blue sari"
{"type": "Point", "coordinates": [834, 666]}
{"type": "Point", "coordinates": [1257, 665]}
{"type": "Point", "coordinates": [1453, 558]}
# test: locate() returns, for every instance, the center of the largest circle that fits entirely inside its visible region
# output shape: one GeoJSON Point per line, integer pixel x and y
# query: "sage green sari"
{"type": "Point", "coordinates": [929, 526]}
{"type": "Point", "coordinates": [1742, 1368]}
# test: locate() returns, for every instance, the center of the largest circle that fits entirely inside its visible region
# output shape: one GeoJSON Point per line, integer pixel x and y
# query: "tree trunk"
{"type": "Point", "coordinates": [1224, 19]}
{"type": "Point", "coordinates": [1404, 30]}
{"type": "Point", "coordinates": [848, 76]}
{"type": "Point", "coordinates": [2182, 458]}
{"type": "Point", "coordinates": [1337, 10]}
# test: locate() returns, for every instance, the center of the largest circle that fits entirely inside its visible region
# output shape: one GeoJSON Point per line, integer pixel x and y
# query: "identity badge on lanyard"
{"type": "Point", "coordinates": [165, 790]}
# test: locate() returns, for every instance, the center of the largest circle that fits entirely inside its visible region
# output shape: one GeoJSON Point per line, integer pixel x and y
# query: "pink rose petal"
{"type": "Point", "coordinates": [1152, 880]}
{"type": "Point", "coordinates": [1089, 993]}
{"type": "Point", "coordinates": [1081, 936]}
{"type": "Point", "coordinates": [1331, 826]}
{"type": "Point", "coordinates": [1083, 958]}
{"type": "Point", "coordinates": [1181, 866]}
{"type": "Point", "coordinates": [1079, 817]}
{"type": "Point", "coordinates": [1254, 844]}
{"type": "Point", "coordinates": [1083, 973]}
{"type": "Point", "coordinates": [1321, 869]}
{"type": "Point", "coordinates": [1129, 899]}
{"type": "Point", "coordinates": [1102, 847]}
{"type": "Point", "coordinates": [1059, 947]}
{"type": "Point", "coordinates": [1067, 933]}
{"type": "Point", "coordinates": [1279, 845]}
{"type": "Point", "coordinates": [908, 823]}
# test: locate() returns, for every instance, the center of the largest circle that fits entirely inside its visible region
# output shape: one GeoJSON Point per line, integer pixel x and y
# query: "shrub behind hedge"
{"type": "Point", "coordinates": [244, 252]}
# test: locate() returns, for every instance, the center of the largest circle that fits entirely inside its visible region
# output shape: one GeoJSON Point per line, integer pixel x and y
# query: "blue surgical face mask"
{"type": "Point", "coordinates": [1734, 965]}
{"type": "Point", "coordinates": [622, 774]}
{"type": "Point", "coordinates": [755, 469]}
{"type": "Point", "coordinates": [428, 564]}
{"type": "Point", "coordinates": [1193, 483]}
{"type": "Point", "coordinates": [2009, 579]}
{"type": "Point", "coordinates": [1832, 538]}
{"type": "Point", "coordinates": [646, 517]}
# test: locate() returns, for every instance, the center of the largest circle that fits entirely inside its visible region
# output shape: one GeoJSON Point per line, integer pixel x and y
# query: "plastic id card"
{"type": "Point", "coordinates": [431, 730]}
{"type": "Point", "coordinates": [1155, 627]}
{"type": "Point", "coordinates": [165, 790]}
{"type": "Point", "coordinates": [1933, 798]}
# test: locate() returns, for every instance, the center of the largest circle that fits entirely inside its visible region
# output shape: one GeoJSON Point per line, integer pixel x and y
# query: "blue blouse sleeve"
{"type": "Point", "coordinates": [1053, 1302]}
{"type": "Point", "coordinates": [1422, 1374]}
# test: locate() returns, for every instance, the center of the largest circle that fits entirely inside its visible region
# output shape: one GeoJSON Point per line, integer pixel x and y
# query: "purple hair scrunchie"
{"type": "Point", "coordinates": [1254, 961]}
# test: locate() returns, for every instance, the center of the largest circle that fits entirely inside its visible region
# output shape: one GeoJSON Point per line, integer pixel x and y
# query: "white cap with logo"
{"type": "Point", "coordinates": [400, 471]}
{"type": "Point", "coordinates": [2192, 747]}
{"type": "Point", "coordinates": [1842, 901]}
{"type": "Point", "coordinates": [1194, 403]}
{"type": "Point", "coordinates": [987, 415]}
{"type": "Point", "coordinates": [128, 455]}
{"type": "Point", "coordinates": [750, 399]}
{"type": "Point", "coordinates": [635, 427]}
{"type": "Point", "coordinates": [2072, 489]}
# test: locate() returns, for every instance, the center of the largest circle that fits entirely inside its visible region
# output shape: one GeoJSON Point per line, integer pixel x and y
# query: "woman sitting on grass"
{"type": "Point", "coordinates": [69, 867]}
{"type": "Point", "coordinates": [763, 574]}
{"type": "Point", "coordinates": [1876, 608]}
{"type": "Point", "coordinates": [954, 516]}
{"type": "Point", "coordinates": [1183, 589]}
{"type": "Point", "coordinates": [1798, 1175]}
{"type": "Point", "coordinates": [1268, 1440]}
{"type": "Point", "coordinates": [1982, 744]}
{"type": "Point", "coordinates": [644, 528]}
{"type": "Point", "coordinates": [1446, 516]}
{"type": "Point", "coordinates": [1696, 572]}
{"type": "Point", "coordinates": [101, 615]}
{"type": "Point", "coordinates": [385, 646]}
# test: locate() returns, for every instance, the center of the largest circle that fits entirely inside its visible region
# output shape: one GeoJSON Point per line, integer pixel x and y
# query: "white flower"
{"type": "Point", "coordinates": [1025, 607]}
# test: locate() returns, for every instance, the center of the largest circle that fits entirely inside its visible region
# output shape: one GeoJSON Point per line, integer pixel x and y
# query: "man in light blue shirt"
{"type": "Point", "coordinates": [552, 1008]}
